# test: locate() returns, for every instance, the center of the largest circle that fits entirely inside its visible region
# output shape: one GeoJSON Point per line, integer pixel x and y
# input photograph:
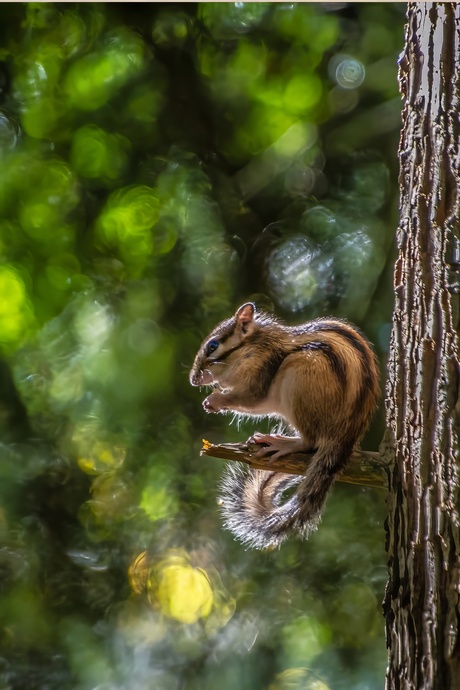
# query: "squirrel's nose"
{"type": "Point", "coordinates": [195, 378]}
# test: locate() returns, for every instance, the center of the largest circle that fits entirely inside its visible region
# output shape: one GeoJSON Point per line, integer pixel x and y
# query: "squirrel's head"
{"type": "Point", "coordinates": [212, 357]}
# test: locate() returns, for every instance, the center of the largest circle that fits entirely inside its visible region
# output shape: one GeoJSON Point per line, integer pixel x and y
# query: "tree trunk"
{"type": "Point", "coordinates": [421, 605]}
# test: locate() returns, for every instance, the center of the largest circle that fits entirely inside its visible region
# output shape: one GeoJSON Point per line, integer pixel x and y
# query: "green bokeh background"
{"type": "Point", "coordinates": [159, 165]}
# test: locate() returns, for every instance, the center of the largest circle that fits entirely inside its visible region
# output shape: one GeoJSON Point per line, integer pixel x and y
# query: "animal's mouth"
{"type": "Point", "coordinates": [206, 378]}
{"type": "Point", "coordinates": [202, 378]}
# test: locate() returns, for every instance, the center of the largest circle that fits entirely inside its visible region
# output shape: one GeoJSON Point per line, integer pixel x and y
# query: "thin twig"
{"type": "Point", "coordinates": [365, 468]}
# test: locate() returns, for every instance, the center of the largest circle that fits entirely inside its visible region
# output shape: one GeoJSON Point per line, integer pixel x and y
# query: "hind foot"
{"type": "Point", "coordinates": [276, 446]}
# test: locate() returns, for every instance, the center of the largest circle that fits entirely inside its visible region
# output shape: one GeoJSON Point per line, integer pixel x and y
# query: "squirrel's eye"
{"type": "Point", "coordinates": [211, 346]}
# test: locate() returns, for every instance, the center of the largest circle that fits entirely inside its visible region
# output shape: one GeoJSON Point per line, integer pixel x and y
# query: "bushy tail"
{"type": "Point", "coordinates": [251, 500]}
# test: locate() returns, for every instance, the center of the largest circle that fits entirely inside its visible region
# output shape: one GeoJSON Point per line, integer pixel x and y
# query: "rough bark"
{"type": "Point", "coordinates": [422, 600]}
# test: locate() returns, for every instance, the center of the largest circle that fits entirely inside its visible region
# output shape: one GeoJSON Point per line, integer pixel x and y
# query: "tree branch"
{"type": "Point", "coordinates": [365, 468]}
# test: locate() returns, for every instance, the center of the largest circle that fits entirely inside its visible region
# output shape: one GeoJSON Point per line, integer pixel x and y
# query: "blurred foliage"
{"type": "Point", "coordinates": [160, 164]}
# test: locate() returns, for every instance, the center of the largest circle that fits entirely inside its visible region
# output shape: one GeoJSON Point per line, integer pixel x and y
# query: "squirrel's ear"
{"type": "Point", "coordinates": [245, 314]}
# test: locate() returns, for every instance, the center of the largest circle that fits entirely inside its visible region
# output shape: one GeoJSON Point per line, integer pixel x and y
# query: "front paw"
{"type": "Point", "coordinates": [214, 403]}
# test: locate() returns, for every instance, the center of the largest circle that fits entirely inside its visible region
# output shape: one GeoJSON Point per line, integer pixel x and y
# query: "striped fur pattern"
{"type": "Point", "coordinates": [321, 378]}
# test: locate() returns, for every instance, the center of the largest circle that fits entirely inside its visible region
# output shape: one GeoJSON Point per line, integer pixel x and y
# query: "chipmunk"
{"type": "Point", "coordinates": [321, 378]}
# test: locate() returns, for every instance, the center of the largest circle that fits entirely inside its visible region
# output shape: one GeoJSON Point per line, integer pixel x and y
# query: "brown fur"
{"type": "Point", "coordinates": [321, 378]}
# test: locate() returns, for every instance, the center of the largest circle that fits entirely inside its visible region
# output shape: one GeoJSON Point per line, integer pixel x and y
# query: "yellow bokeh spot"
{"type": "Point", "coordinates": [184, 593]}
{"type": "Point", "coordinates": [101, 458]}
{"type": "Point", "coordinates": [16, 316]}
{"type": "Point", "coordinates": [138, 573]}
{"type": "Point", "coordinates": [179, 589]}
{"type": "Point", "coordinates": [12, 291]}
{"type": "Point", "coordinates": [302, 92]}
{"type": "Point", "coordinates": [158, 502]}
